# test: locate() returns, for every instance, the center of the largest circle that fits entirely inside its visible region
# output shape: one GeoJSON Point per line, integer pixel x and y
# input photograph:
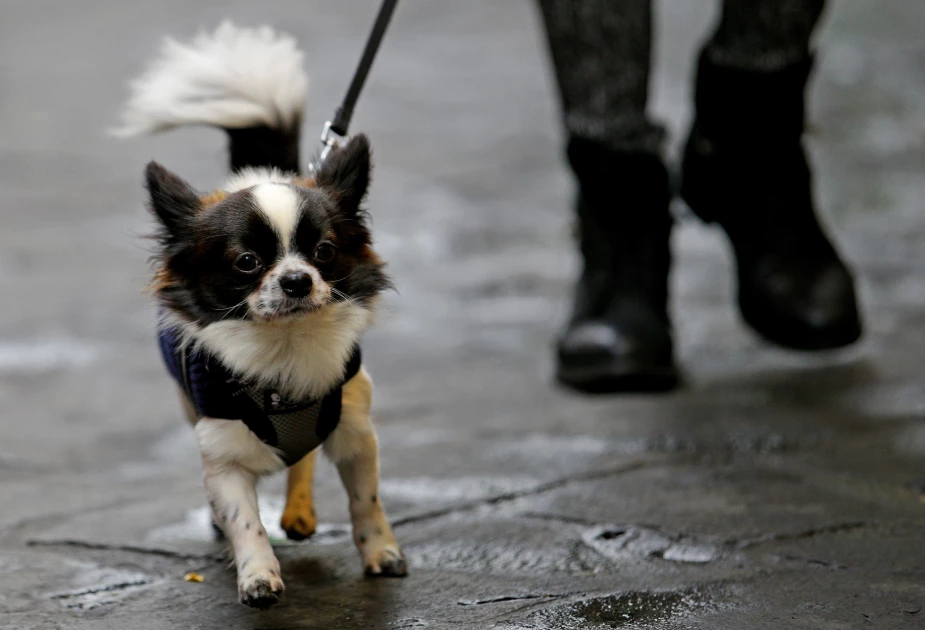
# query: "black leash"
{"type": "Point", "coordinates": [335, 131]}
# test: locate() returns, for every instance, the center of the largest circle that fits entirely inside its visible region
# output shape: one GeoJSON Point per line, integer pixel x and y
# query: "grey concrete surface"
{"type": "Point", "coordinates": [776, 490]}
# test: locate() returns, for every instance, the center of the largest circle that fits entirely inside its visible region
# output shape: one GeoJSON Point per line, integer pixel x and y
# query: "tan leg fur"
{"type": "Point", "coordinates": [299, 516]}
{"type": "Point", "coordinates": [354, 449]}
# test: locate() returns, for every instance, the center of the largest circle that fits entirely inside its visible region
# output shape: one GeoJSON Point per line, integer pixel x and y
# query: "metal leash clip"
{"type": "Point", "coordinates": [334, 133]}
{"type": "Point", "coordinates": [330, 140]}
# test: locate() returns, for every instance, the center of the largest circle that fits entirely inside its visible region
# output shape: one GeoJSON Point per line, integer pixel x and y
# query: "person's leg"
{"type": "Point", "coordinates": [745, 168]}
{"type": "Point", "coordinates": [764, 35]}
{"type": "Point", "coordinates": [601, 52]}
{"type": "Point", "coordinates": [619, 335]}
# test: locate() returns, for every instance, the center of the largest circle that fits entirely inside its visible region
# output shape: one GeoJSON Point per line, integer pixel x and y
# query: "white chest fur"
{"type": "Point", "coordinates": [303, 357]}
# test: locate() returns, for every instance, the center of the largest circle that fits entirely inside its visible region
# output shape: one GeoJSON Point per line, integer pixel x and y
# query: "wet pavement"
{"type": "Point", "coordinates": [776, 490]}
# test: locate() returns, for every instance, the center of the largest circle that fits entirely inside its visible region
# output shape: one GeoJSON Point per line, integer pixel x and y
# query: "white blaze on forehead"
{"type": "Point", "coordinates": [280, 204]}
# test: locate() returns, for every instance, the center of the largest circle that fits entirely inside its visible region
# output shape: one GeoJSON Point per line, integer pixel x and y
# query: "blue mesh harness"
{"type": "Point", "coordinates": [294, 427]}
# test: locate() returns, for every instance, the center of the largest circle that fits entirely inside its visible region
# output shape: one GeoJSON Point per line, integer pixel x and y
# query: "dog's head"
{"type": "Point", "coordinates": [268, 252]}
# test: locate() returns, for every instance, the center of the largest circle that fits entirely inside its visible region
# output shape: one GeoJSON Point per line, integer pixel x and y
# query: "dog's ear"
{"type": "Point", "coordinates": [345, 173]}
{"type": "Point", "coordinates": [173, 201]}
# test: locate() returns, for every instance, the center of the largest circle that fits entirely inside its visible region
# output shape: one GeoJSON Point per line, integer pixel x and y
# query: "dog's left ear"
{"type": "Point", "coordinates": [345, 173]}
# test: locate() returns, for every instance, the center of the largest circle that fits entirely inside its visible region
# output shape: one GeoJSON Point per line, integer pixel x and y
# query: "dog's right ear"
{"type": "Point", "coordinates": [173, 201]}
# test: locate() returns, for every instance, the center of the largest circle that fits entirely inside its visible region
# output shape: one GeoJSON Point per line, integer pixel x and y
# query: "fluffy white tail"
{"type": "Point", "coordinates": [234, 78]}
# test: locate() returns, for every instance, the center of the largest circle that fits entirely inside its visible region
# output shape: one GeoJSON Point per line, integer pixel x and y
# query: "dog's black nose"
{"type": "Point", "coordinates": [296, 284]}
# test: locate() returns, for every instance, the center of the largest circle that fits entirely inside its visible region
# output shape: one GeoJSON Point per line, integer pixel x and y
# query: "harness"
{"type": "Point", "coordinates": [293, 427]}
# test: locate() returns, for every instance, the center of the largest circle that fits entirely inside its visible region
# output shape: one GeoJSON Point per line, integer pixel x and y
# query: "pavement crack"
{"type": "Point", "coordinates": [121, 586]}
{"type": "Point", "coordinates": [518, 494]}
{"type": "Point", "coordinates": [835, 528]}
{"type": "Point", "coordinates": [514, 598]}
{"type": "Point", "coordinates": [151, 551]}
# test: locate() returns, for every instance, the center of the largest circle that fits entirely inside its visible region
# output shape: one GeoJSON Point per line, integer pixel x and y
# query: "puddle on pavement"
{"type": "Point", "coordinates": [619, 543]}
{"type": "Point", "coordinates": [197, 527]}
{"type": "Point", "coordinates": [634, 609]}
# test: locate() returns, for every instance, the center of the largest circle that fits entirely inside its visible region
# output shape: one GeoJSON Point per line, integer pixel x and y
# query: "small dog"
{"type": "Point", "coordinates": [264, 288]}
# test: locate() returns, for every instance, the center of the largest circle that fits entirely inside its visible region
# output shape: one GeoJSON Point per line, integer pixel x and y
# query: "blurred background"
{"type": "Point", "coordinates": [766, 466]}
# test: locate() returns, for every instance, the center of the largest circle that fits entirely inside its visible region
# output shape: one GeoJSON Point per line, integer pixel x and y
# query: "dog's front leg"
{"type": "Point", "coordinates": [233, 497]}
{"type": "Point", "coordinates": [354, 449]}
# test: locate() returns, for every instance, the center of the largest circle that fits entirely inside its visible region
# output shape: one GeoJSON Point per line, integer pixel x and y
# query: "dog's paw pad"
{"type": "Point", "coordinates": [299, 528]}
{"type": "Point", "coordinates": [261, 592]}
{"type": "Point", "coordinates": [391, 563]}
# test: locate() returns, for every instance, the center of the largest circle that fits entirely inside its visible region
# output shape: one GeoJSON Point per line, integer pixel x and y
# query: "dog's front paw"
{"type": "Point", "coordinates": [388, 562]}
{"type": "Point", "coordinates": [260, 589]}
{"type": "Point", "coordinates": [298, 522]}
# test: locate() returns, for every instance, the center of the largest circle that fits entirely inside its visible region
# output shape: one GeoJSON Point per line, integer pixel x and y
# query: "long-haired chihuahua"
{"type": "Point", "coordinates": [264, 287]}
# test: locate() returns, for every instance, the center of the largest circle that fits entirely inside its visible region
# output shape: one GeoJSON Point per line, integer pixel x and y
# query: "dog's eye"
{"type": "Point", "coordinates": [325, 252]}
{"type": "Point", "coordinates": [247, 263]}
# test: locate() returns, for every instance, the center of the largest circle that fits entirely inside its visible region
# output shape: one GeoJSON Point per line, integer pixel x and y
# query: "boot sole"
{"type": "Point", "coordinates": [796, 339]}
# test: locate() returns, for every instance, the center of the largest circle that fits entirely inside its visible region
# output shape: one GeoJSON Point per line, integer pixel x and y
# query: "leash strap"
{"type": "Point", "coordinates": [336, 130]}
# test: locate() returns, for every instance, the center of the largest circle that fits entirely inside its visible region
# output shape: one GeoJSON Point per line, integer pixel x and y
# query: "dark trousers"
{"type": "Point", "coordinates": [601, 51]}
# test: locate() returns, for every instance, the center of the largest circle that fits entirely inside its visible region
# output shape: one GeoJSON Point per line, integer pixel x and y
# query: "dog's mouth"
{"type": "Point", "coordinates": [282, 308]}
{"type": "Point", "coordinates": [287, 311]}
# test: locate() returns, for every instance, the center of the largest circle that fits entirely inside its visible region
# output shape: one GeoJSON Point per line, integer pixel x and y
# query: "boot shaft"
{"type": "Point", "coordinates": [735, 105]}
{"type": "Point", "coordinates": [624, 228]}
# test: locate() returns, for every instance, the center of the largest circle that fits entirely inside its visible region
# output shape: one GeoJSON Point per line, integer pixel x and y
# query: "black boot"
{"type": "Point", "coordinates": [619, 337]}
{"type": "Point", "coordinates": [745, 168]}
